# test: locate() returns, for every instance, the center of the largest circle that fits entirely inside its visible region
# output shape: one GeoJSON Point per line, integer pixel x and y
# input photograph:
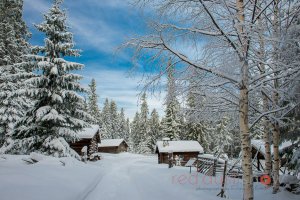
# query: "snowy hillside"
{"type": "Point", "coordinates": [126, 176]}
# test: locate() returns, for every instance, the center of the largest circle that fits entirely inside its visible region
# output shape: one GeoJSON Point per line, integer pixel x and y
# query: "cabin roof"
{"type": "Point", "coordinates": [88, 132]}
{"type": "Point", "coordinates": [179, 146]}
{"type": "Point", "coordinates": [259, 145]}
{"type": "Point", "coordinates": [111, 142]}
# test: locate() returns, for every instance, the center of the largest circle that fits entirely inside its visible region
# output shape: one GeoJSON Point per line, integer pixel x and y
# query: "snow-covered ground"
{"type": "Point", "coordinates": [121, 176]}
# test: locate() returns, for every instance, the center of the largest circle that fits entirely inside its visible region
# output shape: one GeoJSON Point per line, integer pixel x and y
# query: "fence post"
{"type": "Point", "coordinates": [215, 167]}
{"type": "Point", "coordinates": [222, 193]}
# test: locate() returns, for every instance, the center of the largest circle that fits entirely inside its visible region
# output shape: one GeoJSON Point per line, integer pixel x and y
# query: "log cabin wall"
{"type": "Point", "coordinates": [163, 157]}
{"type": "Point", "coordinates": [122, 147]}
{"type": "Point", "coordinates": [93, 147]}
{"type": "Point", "coordinates": [91, 143]}
{"type": "Point", "coordinates": [108, 149]}
{"type": "Point", "coordinates": [77, 146]}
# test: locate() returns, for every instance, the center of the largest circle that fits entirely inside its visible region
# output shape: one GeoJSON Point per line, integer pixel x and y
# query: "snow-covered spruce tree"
{"type": "Point", "coordinates": [106, 119]}
{"type": "Point", "coordinates": [13, 45]}
{"type": "Point", "coordinates": [127, 130]}
{"type": "Point", "coordinates": [58, 113]}
{"type": "Point", "coordinates": [144, 126]}
{"type": "Point", "coordinates": [113, 134]}
{"type": "Point", "coordinates": [93, 108]}
{"type": "Point", "coordinates": [134, 138]}
{"type": "Point", "coordinates": [122, 128]}
{"type": "Point", "coordinates": [154, 133]}
{"type": "Point", "coordinates": [222, 137]}
{"type": "Point", "coordinates": [171, 122]}
{"type": "Point", "coordinates": [196, 128]}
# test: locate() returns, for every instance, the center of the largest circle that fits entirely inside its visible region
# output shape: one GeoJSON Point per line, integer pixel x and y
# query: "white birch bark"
{"type": "Point", "coordinates": [244, 108]}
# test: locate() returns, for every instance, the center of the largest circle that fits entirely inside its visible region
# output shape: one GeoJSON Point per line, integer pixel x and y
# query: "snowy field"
{"type": "Point", "coordinates": [123, 176]}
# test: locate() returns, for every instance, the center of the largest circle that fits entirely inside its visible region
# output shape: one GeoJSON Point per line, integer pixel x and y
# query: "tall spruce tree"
{"type": "Point", "coordinates": [222, 136]}
{"type": "Point", "coordinates": [135, 133]}
{"type": "Point", "coordinates": [144, 126]}
{"type": "Point", "coordinates": [106, 119]}
{"type": "Point", "coordinates": [127, 130]}
{"type": "Point", "coordinates": [154, 130]}
{"type": "Point", "coordinates": [122, 130]}
{"type": "Point", "coordinates": [144, 115]}
{"type": "Point", "coordinates": [196, 129]}
{"type": "Point", "coordinates": [93, 108]}
{"type": "Point", "coordinates": [13, 45]}
{"type": "Point", "coordinates": [171, 124]}
{"type": "Point", "coordinates": [58, 113]}
{"type": "Point", "coordinates": [114, 120]}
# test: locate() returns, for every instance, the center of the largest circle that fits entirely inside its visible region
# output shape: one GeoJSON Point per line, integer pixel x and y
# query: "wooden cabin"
{"type": "Point", "coordinates": [258, 152]}
{"type": "Point", "coordinates": [89, 137]}
{"type": "Point", "coordinates": [182, 149]}
{"type": "Point", "coordinates": [113, 146]}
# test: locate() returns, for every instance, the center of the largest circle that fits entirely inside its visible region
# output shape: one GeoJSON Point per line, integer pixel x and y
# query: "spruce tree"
{"type": "Point", "coordinates": [127, 131]}
{"type": "Point", "coordinates": [106, 119]}
{"type": "Point", "coordinates": [197, 129]}
{"type": "Point", "coordinates": [135, 133]}
{"type": "Point", "coordinates": [171, 124]}
{"type": "Point", "coordinates": [13, 45]}
{"type": "Point", "coordinates": [114, 120]}
{"type": "Point", "coordinates": [144, 126]}
{"type": "Point", "coordinates": [222, 136]}
{"type": "Point", "coordinates": [93, 108]}
{"type": "Point", "coordinates": [144, 116]}
{"type": "Point", "coordinates": [154, 130]}
{"type": "Point", "coordinates": [58, 113]}
{"type": "Point", "coordinates": [122, 132]}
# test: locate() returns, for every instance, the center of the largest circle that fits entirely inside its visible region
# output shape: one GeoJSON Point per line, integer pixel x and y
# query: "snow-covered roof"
{"type": "Point", "coordinates": [88, 132]}
{"type": "Point", "coordinates": [110, 142]}
{"type": "Point", "coordinates": [179, 146]}
{"type": "Point", "coordinates": [260, 146]}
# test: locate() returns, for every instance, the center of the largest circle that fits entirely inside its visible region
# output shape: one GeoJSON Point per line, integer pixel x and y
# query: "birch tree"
{"type": "Point", "coordinates": [230, 28]}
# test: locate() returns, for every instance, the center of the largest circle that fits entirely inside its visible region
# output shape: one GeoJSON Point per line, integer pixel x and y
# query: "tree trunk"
{"type": "Point", "coordinates": [266, 123]}
{"type": "Point", "coordinates": [276, 131]}
{"type": "Point", "coordinates": [268, 157]}
{"type": "Point", "coordinates": [243, 107]}
{"type": "Point", "coordinates": [276, 167]}
{"type": "Point", "coordinates": [246, 146]}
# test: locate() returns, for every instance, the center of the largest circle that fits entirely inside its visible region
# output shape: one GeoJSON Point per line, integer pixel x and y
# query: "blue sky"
{"type": "Point", "coordinates": [99, 28]}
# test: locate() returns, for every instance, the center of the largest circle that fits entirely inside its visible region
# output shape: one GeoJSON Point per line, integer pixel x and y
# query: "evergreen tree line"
{"type": "Point", "coordinates": [179, 123]}
{"type": "Point", "coordinates": [113, 123]}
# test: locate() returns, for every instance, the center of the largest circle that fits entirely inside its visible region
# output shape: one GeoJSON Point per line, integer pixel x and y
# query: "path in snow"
{"type": "Point", "coordinates": [135, 177]}
{"type": "Point", "coordinates": [116, 177]}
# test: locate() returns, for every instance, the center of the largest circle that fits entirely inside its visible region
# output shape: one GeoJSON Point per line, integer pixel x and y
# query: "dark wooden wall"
{"type": "Point", "coordinates": [92, 144]}
{"type": "Point", "coordinates": [108, 149]}
{"type": "Point", "coordinates": [163, 157]}
{"type": "Point", "coordinates": [77, 146]}
{"type": "Point", "coordinates": [123, 147]}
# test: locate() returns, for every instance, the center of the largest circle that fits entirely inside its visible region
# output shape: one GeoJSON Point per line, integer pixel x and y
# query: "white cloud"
{"type": "Point", "coordinates": [91, 30]}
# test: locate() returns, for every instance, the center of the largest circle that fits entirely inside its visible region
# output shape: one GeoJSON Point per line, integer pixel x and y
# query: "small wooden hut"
{"type": "Point", "coordinates": [89, 137]}
{"type": "Point", "coordinates": [113, 146]}
{"type": "Point", "coordinates": [183, 149]}
{"type": "Point", "coordinates": [259, 152]}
